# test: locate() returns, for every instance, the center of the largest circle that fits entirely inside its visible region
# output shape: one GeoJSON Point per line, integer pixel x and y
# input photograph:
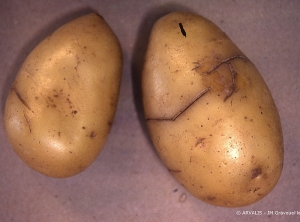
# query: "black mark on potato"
{"type": "Point", "coordinates": [182, 29]}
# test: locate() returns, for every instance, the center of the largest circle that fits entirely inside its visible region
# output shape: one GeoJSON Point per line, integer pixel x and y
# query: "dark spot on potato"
{"type": "Point", "coordinates": [93, 134]}
{"type": "Point", "coordinates": [50, 99]}
{"type": "Point", "coordinates": [200, 142]}
{"type": "Point", "coordinates": [256, 189]}
{"type": "Point", "coordinates": [256, 172]}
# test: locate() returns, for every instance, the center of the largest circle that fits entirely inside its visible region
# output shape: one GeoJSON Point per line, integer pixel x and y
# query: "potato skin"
{"type": "Point", "coordinates": [210, 114]}
{"type": "Point", "coordinates": [61, 105]}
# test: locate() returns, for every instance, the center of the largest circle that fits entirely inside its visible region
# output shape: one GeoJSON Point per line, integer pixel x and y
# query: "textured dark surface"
{"type": "Point", "coordinates": [128, 182]}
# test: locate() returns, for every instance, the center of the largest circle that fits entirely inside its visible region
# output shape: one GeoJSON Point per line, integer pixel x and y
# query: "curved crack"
{"type": "Point", "coordinates": [231, 88]}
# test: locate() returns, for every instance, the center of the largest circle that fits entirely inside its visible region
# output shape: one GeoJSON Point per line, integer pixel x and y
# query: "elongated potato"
{"type": "Point", "coordinates": [61, 105]}
{"type": "Point", "coordinates": [209, 112]}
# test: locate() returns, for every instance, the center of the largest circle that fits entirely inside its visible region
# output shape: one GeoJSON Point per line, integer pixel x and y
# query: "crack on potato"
{"type": "Point", "coordinates": [202, 93]}
{"type": "Point", "coordinates": [20, 97]}
{"type": "Point", "coordinates": [28, 121]}
{"type": "Point", "coordinates": [228, 88]}
{"type": "Point", "coordinates": [182, 29]}
{"type": "Point", "coordinates": [220, 82]}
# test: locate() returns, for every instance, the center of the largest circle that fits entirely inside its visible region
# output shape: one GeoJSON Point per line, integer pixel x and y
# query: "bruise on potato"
{"type": "Point", "coordinates": [222, 83]}
{"type": "Point", "coordinates": [219, 83]}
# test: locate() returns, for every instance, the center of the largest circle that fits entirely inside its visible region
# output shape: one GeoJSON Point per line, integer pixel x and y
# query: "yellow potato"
{"type": "Point", "coordinates": [209, 113]}
{"type": "Point", "coordinates": [61, 105]}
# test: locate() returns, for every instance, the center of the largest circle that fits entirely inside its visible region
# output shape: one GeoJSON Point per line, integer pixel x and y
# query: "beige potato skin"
{"type": "Point", "coordinates": [209, 113]}
{"type": "Point", "coordinates": [62, 103]}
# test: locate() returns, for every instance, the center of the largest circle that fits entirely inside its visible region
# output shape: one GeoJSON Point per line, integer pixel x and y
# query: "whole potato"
{"type": "Point", "coordinates": [61, 105]}
{"type": "Point", "coordinates": [209, 113]}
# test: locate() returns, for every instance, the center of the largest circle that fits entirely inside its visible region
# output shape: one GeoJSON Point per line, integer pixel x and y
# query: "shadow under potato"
{"type": "Point", "coordinates": [139, 52]}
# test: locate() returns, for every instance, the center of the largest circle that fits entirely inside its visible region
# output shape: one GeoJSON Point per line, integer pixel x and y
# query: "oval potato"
{"type": "Point", "coordinates": [61, 105]}
{"type": "Point", "coordinates": [209, 113]}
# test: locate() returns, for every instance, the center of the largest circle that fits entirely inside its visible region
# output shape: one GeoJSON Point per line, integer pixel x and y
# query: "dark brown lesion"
{"type": "Point", "coordinates": [228, 87]}
{"type": "Point", "coordinates": [199, 141]}
{"type": "Point", "coordinates": [256, 172]}
{"type": "Point", "coordinates": [92, 134]}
